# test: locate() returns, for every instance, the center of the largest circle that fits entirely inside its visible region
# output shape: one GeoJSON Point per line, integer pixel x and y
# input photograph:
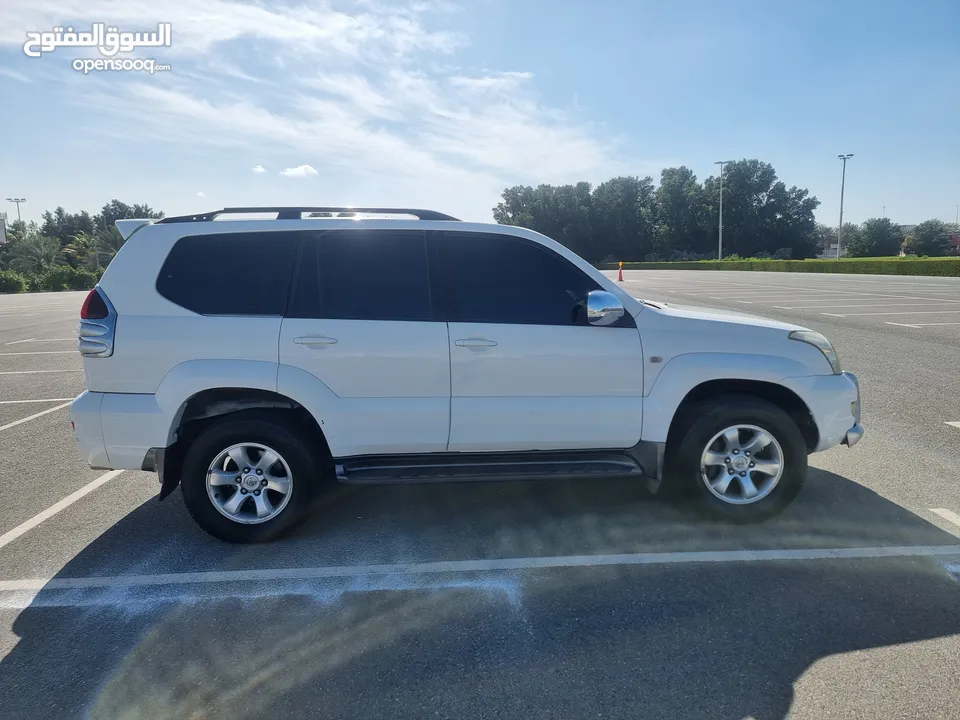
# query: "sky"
{"type": "Point", "coordinates": [442, 104]}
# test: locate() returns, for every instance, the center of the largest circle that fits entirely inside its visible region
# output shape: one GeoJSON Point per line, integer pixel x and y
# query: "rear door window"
{"type": "Point", "coordinates": [364, 275]}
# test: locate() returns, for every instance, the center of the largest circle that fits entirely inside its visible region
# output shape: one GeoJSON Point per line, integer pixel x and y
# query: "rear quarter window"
{"type": "Point", "coordinates": [230, 273]}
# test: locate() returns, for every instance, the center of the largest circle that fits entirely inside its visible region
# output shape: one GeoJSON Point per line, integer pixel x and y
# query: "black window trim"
{"type": "Point", "coordinates": [437, 309]}
{"type": "Point", "coordinates": [627, 321]}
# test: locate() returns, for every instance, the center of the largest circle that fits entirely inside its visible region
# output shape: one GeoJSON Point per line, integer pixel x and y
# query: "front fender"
{"type": "Point", "coordinates": [683, 373]}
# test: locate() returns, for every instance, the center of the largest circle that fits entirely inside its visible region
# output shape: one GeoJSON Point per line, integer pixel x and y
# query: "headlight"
{"type": "Point", "coordinates": [815, 338]}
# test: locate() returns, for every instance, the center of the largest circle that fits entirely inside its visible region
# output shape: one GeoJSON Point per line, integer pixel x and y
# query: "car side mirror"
{"type": "Point", "coordinates": [603, 308]}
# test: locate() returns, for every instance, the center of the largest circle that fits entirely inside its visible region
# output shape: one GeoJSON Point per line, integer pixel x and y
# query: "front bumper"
{"type": "Point", "coordinates": [834, 403]}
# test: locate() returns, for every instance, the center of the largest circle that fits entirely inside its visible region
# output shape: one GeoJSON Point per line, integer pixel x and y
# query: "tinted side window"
{"type": "Point", "coordinates": [230, 273]}
{"type": "Point", "coordinates": [364, 275]}
{"type": "Point", "coordinates": [499, 279]}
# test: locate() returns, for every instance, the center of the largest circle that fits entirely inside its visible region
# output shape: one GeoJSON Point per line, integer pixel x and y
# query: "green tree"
{"type": "Point", "coordinates": [622, 218]}
{"type": "Point", "coordinates": [560, 212]}
{"type": "Point", "coordinates": [84, 251]}
{"type": "Point", "coordinates": [108, 238]}
{"type": "Point", "coordinates": [877, 237]}
{"type": "Point", "coordinates": [33, 252]}
{"type": "Point", "coordinates": [850, 238]}
{"type": "Point", "coordinates": [683, 215]}
{"type": "Point", "coordinates": [761, 215]}
{"type": "Point", "coordinates": [930, 238]}
{"type": "Point", "coordinates": [824, 236]}
{"type": "Point", "coordinates": [63, 225]}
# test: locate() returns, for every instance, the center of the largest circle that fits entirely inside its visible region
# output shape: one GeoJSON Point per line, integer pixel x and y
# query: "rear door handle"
{"type": "Point", "coordinates": [315, 340]}
{"type": "Point", "coordinates": [475, 343]}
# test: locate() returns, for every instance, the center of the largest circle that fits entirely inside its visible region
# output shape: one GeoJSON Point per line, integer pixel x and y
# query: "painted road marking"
{"type": "Point", "coordinates": [921, 325]}
{"type": "Point", "coordinates": [18, 402]}
{"type": "Point", "coordinates": [820, 307]}
{"type": "Point", "coordinates": [900, 324]}
{"type": "Point", "coordinates": [954, 423]}
{"type": "Point", "coordinates": [918, 312]}
{"type": "Point", "coordinates": [947, 515]}
{"type": "Point", "coordinates": [17, 342]}
{"type": "Point", "coordinates": [10, 536]}
{"type": "Point", "coordinates": [33, 417]}
{"type": "Point", "coordinates": [463, 566]}
{"type": "Point", "coordinates": [33, 372]}
{"type": "Point", "coordinates": [40, 352]}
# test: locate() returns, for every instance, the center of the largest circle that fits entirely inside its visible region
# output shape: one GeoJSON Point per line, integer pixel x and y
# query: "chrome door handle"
{"type": "Point", "coordinates": [315, 340]}
{"type": "Point", "coordinates": [475, 343]}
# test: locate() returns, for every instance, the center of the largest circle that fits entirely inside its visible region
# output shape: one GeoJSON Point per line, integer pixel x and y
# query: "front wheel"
{"type": "Point", "coordinates": [746, 459]}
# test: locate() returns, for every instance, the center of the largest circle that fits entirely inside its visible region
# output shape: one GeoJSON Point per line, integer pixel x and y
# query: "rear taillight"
{"type": "Point", "coordinates": [94, 308]}
{"type": "Point", "coordinates": [98, 325]}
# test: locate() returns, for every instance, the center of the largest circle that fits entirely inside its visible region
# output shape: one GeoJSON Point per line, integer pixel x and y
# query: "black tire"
{"type": "Point", "coordinates": [275, 430]}
{"type": "Point", "coordinates": [712, 417]}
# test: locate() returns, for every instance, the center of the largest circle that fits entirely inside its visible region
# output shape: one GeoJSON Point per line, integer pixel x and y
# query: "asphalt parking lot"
{"type": "Point", "coordinates": [532, 600]}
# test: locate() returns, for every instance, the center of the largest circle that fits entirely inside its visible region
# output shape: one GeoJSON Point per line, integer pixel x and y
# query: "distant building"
{"type": "Point", "coordinates": [3, 228]}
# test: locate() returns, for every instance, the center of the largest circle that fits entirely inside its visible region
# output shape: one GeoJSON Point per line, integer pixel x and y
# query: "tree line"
{"type": "Point", "coordinates": [631, 219]}
{"type": "Point", "coordinates": [66, 250]}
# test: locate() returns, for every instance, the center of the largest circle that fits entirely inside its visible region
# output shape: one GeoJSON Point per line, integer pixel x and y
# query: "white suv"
{"type": "Point", "coordinates": [255, 361]}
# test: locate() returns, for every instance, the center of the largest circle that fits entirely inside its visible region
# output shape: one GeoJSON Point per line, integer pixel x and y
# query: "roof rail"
{"type": "Point", "coordinates": [294, 213]}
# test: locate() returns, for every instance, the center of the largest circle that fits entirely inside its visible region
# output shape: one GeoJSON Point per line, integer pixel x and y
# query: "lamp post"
{"type": "Point", "coordinates": [18, 201]}
{"type": "Point", "coordinates": [843, 181]}
{"type": "Point", "coordinates": [721, 163]}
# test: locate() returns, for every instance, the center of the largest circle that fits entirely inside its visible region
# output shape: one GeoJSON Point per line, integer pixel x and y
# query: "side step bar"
{"type": "Point", "coordinates": [479, 467]}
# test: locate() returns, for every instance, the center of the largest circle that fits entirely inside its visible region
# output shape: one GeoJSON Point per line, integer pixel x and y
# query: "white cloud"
{"type": "Point", "coordinates": [377, 95]}
{"type": "Point", "coordinates": [299, 171]}
{"type": "Point", "coordinates": [201, 193]}
{"type": "Point", "coordinates": [13, 74]}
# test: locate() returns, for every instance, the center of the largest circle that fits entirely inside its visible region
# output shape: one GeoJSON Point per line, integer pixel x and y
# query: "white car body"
{"type": "Point", "coordinates": [387, 388]}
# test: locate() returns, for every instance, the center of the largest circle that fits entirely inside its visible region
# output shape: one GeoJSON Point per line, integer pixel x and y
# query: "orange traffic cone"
{"type": "Point", "coordinates": [620, 272]}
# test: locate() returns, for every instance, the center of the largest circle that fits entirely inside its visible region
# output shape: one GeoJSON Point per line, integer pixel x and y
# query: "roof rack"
{"type": "Point", "coordinates": [294, 213]}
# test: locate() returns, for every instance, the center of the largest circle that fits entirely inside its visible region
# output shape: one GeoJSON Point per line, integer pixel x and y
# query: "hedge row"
{"type": "Point", "coordinates": [943, 266]}
{"type": "Point", "coordinates": [57, 278]}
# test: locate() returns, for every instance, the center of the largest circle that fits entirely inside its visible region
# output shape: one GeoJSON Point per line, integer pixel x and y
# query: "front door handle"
{"type": "Point", "coordinates": [476, 343]}
{"type": "Point", "coordinates": [315, 340]}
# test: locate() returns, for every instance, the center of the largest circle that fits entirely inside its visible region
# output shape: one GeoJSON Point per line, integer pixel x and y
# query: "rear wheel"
{"type": "Point", "coordinates": [249, 477]}
{"type": "Point", "coordinates": [744, 458]}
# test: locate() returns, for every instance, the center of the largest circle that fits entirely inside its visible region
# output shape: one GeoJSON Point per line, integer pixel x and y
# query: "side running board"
{"type": "Point", "coordinates": [479, 467]}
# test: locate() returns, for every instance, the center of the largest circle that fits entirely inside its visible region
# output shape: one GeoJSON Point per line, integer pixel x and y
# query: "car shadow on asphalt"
{"type": "Point", "coordinates": [720, 640]}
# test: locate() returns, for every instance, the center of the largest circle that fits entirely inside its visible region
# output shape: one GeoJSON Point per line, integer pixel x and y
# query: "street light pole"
{"type": "Point", "coordinates": [18, 201]}
{"type": "Point", "coordinates": [843, 182]}
{"type": "Point", "coordinates": [721, 163]}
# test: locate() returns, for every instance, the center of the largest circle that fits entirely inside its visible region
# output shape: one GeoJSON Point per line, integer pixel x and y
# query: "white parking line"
{"type": "Point", "coordinates": [18, 402]}
{"type": "Point", "coordinates": [885, 322]}
{"type": "Point", "coordinates": [461, 566]}
{"type": "Point", "coordinates": [17, 342]}
{"type": "Point", "coordinates": [34, 372]}
{"type": "Point", "coordinates": [947, 515]}
{"type": "Point", "coordinates": [820, 307]}
{"type": "Point", "coordinates": [10, 536]}
{"type": "Point", "coordinates": [923, 325]}
{"type": "Point", "coordinates": [953, 423]}
{"type": "Point", "coordinates": [41, 352]}
{"type": "Point", "coordinates": [33, 417]}
{"type": "Point", "coordinates": [917, 312]}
